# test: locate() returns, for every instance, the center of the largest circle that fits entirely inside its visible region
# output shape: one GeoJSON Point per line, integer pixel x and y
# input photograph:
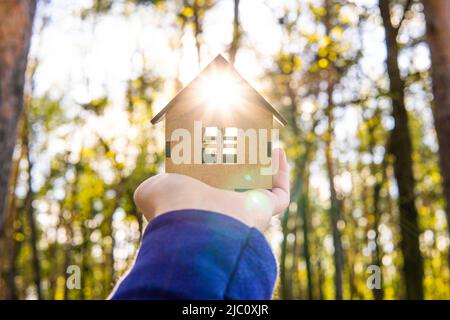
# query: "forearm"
{"type": "Point", "coordinates": [194, 254]}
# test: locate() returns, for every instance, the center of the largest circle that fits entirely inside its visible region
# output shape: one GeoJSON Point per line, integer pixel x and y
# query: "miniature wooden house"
{"type": "Point", "coordinates": [225, 125]}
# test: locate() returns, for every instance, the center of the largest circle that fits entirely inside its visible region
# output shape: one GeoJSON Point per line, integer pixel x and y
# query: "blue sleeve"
{"type": "Point", "coordinates": [195, 254]}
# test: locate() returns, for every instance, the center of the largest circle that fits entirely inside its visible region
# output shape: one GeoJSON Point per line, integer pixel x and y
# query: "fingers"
{"type": "Point", "coordinates": [141, 196]}
{"type": "Point", "coordinates": [147, 192]}
{"type": "Point", "coordinates": [280, 182]}
{"type": "Point", "coordinates": [168, 191]}
{"type": "Point", "coordinates": [281, 178]}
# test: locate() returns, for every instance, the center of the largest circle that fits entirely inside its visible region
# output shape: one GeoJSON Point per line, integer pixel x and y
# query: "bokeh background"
{"type": "Point", "coordinates": [361, 140]}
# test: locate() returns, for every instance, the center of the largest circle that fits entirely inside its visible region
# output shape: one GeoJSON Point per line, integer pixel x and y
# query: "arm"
{"type": "Point", "coordinates": [195, 254]}
{"type": "Point", "coordinates": [200, 253]}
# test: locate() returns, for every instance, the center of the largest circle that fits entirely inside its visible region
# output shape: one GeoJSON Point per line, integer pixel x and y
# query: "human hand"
{"type": "Point", "coordinates": [169, 191]}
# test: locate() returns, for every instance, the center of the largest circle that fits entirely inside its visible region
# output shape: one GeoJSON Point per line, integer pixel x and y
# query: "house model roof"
{"type": "Point", "coordinates": [222, 65]}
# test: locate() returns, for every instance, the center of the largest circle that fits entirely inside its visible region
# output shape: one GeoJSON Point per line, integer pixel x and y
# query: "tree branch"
{"type": "Point", "coordinates": [405, 11]}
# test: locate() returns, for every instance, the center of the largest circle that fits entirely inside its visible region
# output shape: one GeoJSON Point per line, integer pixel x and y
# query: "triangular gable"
{"type": "Point", "coordinates": [220, 63]}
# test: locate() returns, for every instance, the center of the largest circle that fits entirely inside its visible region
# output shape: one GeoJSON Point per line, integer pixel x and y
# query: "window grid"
{"type": "Point", "coordinates": [226, 151]}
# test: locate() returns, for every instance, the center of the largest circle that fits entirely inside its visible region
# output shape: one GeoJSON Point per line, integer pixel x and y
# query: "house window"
{"type": "Point", "coordinates": [209, 145]}
{"type": "Point", "coordinates": [229, 155]}
{"type": "Point", "coordinates": [209, 155]}
{"type": "Point", "coordinates": [229, 151]}
{"type": "Point", "coordinates": [167, 149]}
{"type": "Point", "coordinates": [215, 147]}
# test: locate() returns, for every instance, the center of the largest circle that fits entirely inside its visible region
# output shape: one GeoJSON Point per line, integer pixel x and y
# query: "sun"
{"type": "Point", "coordinates": [220, 90]}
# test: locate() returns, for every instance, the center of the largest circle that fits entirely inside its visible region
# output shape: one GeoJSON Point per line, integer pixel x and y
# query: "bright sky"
{"type": "Point", "coordinates": [106, 51]}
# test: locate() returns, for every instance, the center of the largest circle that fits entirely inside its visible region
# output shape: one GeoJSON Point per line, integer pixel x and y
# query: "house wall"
{"type": "Point", "coordinates": [246, 115]}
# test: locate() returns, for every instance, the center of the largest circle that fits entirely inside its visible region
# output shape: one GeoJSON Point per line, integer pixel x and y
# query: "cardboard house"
{"type": "Point", "coordinates": [214, 113]}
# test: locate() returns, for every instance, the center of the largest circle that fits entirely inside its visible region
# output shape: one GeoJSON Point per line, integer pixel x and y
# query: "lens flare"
{"type": "Point", "coordinates": [258, 202]}
{"type": "Point", "coordinates": [220, 90]}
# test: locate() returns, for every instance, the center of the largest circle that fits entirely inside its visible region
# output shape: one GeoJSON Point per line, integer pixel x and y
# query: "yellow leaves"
{"type": "Point", "coordinates": [323, 52]}
{"type": "Point", "coordinates": [389, 293]}
{"type": "Point", "coordinates": [110, 154]}
{"type": "Point", "coordinates": [296, 62]}
{"type": "Point", "coordinates": [323, 63]}
{"type": "Point", "coordinates": [113, 156]}
{"type": "Point", "coordinates": [435, 178]}
{"type": "Point", "coordinates": [137, 83]}
{"type": "Point", "coordinates": [327, 54]}
{"type": "Point", "coordinates": [310, 136]}
{"type": "Point", "coordinates": [345, 19]}
{"type": "Point", "coordinates": [136, 99]}
{"type": "Point", "coordinates": [293, 152]}
{"type": "Point", "coordinates": [19, 237]}
{"type": "Point", "coordinates": [329, 48]}
{"type": "Point", "coordinates": [332, 56]}
{"type": "Point", "coordinates": [325, 41]}
{"type": "Point", "coordinates": [372, 123]}
{"type": "Point", "coordinates": [313, 37]}
{"type": "Point", "coordinates": [370, 219]}
{"type": "Point", "coordinates": [139, 104]}
{"type": "Point", "coordinates": [314, 68]}
{"type": "Point", "coordinates": [436, 263]}
{"type": "Point", "coordinates": [336, 32]}
{"type": "Point", "coordinates": [187, 12]}
{"type": "Point", "coordinates": [286, 67]}
{"type": "Point", "coordinates": [321, 232]}
{"type": "Point", "coordinates": [289, 63]}
{"type": "Point", "coordinates": [318, 11]}
{"type": "Point", "coordinates": [160, 4]}
{"type": "Point", "coordinates": [96, 105]}
{"type": "Point", "coordinates": [60, 285]}
{"type": "Point", "coordinates": [92, 187]}
{"type": "Point", "coordinates": [87, 153]}
{"type": "Point", "coordinates": [120, 166]}
{"type": "Point", "coordinates": [326, 137]}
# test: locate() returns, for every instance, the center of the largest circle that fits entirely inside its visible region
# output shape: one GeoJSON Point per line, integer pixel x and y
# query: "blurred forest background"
{"type": "Point", "coordinates": [364, 84]}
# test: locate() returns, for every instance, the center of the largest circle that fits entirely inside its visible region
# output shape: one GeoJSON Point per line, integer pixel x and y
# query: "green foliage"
{"type": "Point", "coordinates": [97, 105]}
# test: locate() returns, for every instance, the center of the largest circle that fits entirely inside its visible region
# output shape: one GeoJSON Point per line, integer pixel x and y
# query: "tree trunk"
{"type": "Point", "coordinates": [110, 272]}
{"type": "Point", "coordinates": [335, 210]}
{"type": "Point", "coordinates": [14, 248]}
{"type": "Point", "coordinates": [401, 148]}
{"type": "Point", "coordinates": [300, 190]}
{"type": "Point", "coordinates": [437, 15]}
{"type": "Point", "coordinates": [284, 285]}
{"type": "Point", "coordinates": [302, 207]}
{"type": "Point", "coordinates": [16, 18]}
{"type": "Point", "coordinates": [295, 285]}
{"type": "Point", "coordinates": [11, 248]}
{"type": "Point", "coordinates": [378, 294]}
{"type": "Point", "coordinates": [69, 223]}
{"type": "Point", "coordinates": [320, 276]}
{"type": "Point", "coordinates": [30, 212]}
{"type": "Point", "coordinates": [68, 252]}
{"type": "Point", "coordinates": [8, 241]}
{"type": "Point", "coordinates": [236, 33]}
